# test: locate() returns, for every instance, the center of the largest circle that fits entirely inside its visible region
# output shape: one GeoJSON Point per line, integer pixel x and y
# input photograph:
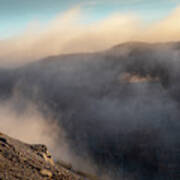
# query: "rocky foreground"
{"type": "Point", "coordinates": [32, 162]}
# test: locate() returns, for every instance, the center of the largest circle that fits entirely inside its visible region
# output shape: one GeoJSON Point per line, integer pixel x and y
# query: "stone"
{"type": "Point", "coordinates": [46, 173]}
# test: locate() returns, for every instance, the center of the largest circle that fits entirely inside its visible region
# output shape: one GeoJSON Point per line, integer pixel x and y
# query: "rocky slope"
{"type": "Point", "coordinates": [23, 161]}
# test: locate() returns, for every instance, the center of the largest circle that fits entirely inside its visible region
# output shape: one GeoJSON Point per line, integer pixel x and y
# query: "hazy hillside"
{"type": "Point", "coordinates": [118, 108]}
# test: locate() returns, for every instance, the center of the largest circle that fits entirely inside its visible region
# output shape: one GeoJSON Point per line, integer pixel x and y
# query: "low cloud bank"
{"type": "Point", "coordinates": [67, 34]}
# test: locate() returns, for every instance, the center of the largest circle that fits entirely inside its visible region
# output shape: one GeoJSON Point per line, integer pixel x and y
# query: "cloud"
{"type": "Point", "coordinates": [23, 120]}
{"type": "Point", "coordinates": [68, 34]}
{"type": "Point", "coordinates": [28, 125]}
{"type": "Point", "coordinates": [166, 30]}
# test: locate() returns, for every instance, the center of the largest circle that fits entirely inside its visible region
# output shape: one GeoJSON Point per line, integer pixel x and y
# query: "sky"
{"type": "Point", "coordinates": [17, 15]}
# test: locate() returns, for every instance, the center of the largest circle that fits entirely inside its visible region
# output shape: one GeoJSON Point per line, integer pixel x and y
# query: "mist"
{"type": "Point", "coordinates": [116, 110]}
{"type": "Point", "coordinates": [22, 119]}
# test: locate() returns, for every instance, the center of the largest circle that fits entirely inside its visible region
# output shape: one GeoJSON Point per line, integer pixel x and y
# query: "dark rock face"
{"type": "Point", "coordinates": [131, 130]}
{"type": "Point", "coordinates": [23, 161]}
